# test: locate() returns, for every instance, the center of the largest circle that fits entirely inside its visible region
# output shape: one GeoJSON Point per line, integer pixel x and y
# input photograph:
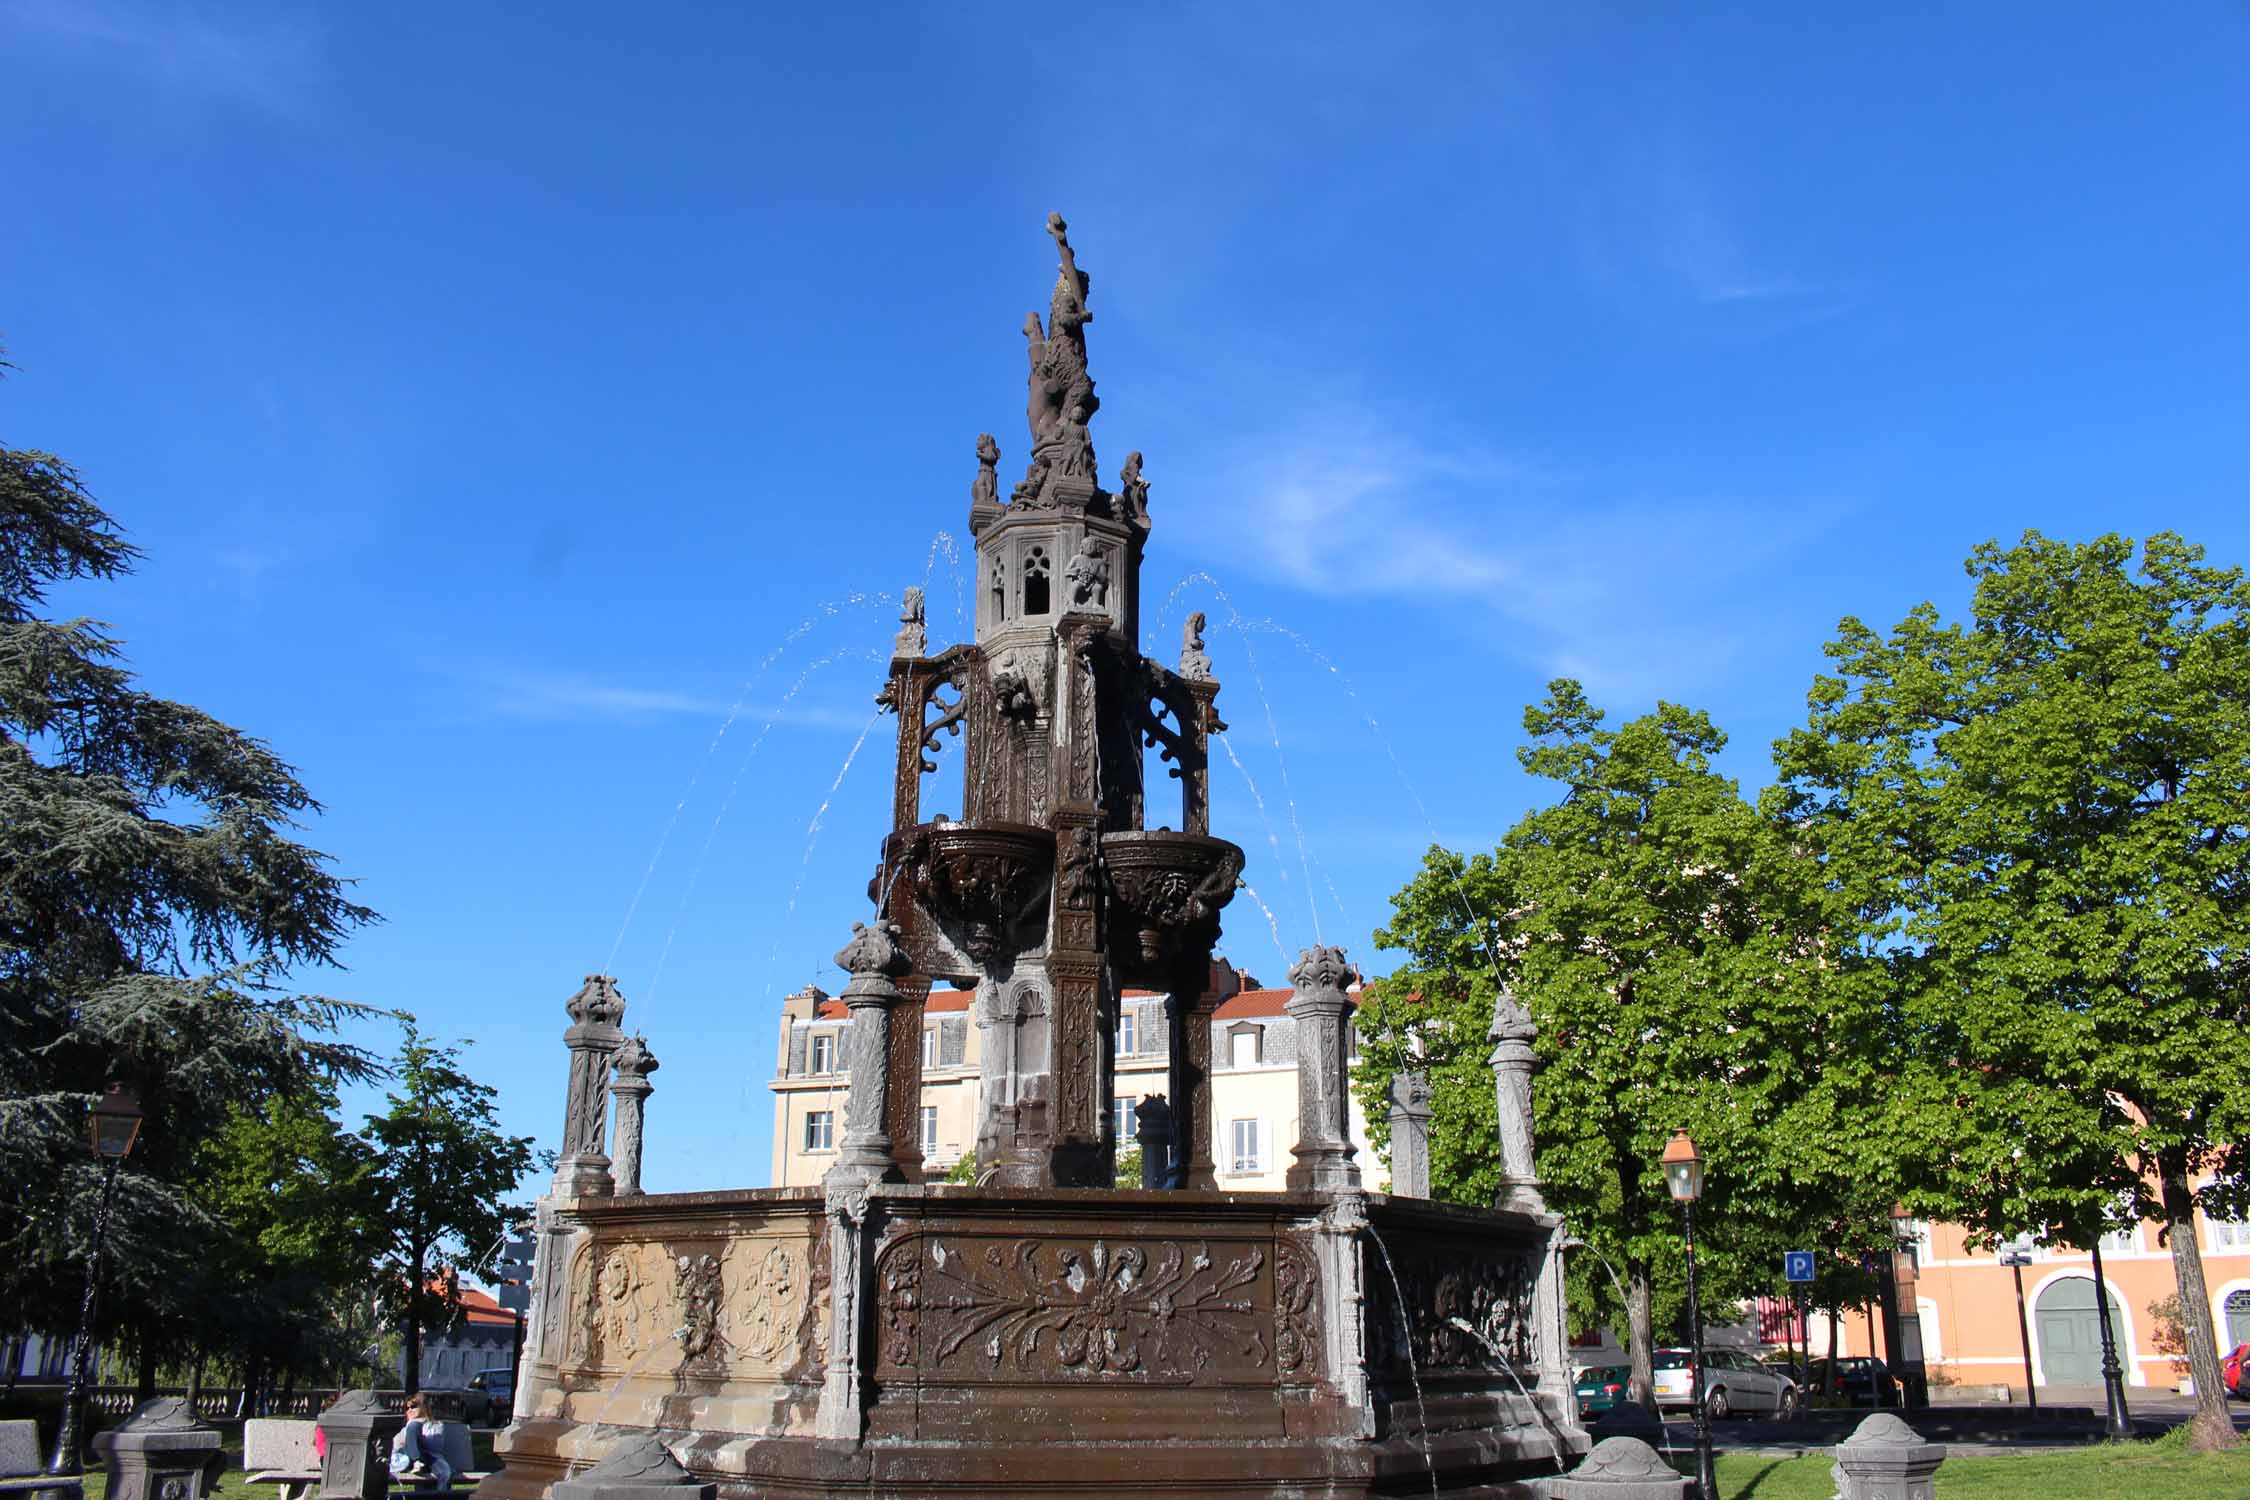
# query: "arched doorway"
{"type": "Point", "coordinates": [2238, 1318]}
{"type": "Point", "coordinates": [2070, 1332]}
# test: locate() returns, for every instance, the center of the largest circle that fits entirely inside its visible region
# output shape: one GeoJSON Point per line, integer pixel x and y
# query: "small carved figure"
{"type": "Point", "coordinates": [1088, 577]}
{"type": "Point", "coordinates": [913, 638]}
{"type": "Point", "coordinates": [1195, 662]}
{"type": "Point", "coordinates": [1078, 869]}
{"type": "Point", "coordinates": [1132, 492]}
{"type": "Point", "coordinates": [984, 490]}
{"type": "Point", "coordinates": [1011, 689]}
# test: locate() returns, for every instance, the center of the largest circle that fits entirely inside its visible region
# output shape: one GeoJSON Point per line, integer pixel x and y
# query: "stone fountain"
{"type": "Point", "coordinates": [1042, 1332]}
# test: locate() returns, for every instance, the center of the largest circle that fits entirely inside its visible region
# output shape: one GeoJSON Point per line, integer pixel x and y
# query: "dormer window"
{"type": "Point", "coordinates": [1035, 581]}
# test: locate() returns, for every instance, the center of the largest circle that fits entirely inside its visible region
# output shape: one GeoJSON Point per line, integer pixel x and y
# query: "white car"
{"type": "Point", "coordinates": [1733, 1383]}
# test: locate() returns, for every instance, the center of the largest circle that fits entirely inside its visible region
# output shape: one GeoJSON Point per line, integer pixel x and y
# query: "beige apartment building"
{"type": "Point", "coordinates": [1253, 1084]}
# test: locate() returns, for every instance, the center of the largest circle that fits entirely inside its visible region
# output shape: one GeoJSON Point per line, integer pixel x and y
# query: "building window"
{"type": "Point", "coordinates": [1035, 581]}
{"type": "Point", "coordinates": [929, 1130]}
{"type": "Point", "coordinates": [1128, 1033]}
{"type": "Point", "coordinates": [929, 1047]}
{"type": "Point", "coordinates": [823, 1052]}
{"type": "Point", "coordinates": [2226, 1234]}
{"type": "Point", "coordinates": [820, 1130]}
{"type": "Point", "coordinates": [1246, 1157]}
{"type": "Point", "coordinates": [1128, 1123]}
{"type": "Point", "coordinates": [1246, 1046]}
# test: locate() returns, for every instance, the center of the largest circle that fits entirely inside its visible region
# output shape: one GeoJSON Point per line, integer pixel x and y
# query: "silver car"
{"type": "Point", "coordinates": [1733, 1384]}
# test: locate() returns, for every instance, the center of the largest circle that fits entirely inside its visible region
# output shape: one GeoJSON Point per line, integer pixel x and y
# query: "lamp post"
{"type": "Point", "coordinates": [1683, 1175]}
{"type": "Point", "coordinates": [2118, 1422]}
{"type": "Point", "coordinates": [112, 1127]}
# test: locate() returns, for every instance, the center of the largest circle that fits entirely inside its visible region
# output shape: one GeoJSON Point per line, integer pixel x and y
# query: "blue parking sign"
{"type": "Point", "coordinates": [1797, 1265]}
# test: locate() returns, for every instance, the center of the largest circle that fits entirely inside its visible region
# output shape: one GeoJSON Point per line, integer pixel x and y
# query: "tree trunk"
{"type": "Point", "coordinates": [144, 1376]}
{"type": "Point", "coordinates": [2212, 1426]}
{"type": "Point", "coordinates": [1835, 1316]}
{"type": "Point", "coordinates": [195, 1380]}
{"type": "Point", "coordinates": [1640, 1345]}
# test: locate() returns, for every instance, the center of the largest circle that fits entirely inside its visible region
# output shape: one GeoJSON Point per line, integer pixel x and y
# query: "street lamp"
{"type": "Point", "coordinates": [114, 1125]}
{"type": "Point", "coordinates": [1683, 1175]}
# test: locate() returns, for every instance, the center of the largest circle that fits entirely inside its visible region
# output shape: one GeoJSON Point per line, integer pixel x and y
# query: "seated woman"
{"type": "Point", "coordinates": [418, 1452]}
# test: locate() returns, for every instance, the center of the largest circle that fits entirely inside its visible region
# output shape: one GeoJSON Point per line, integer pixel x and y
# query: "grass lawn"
{"type": "Point", "coordinates": [2159, 1470]}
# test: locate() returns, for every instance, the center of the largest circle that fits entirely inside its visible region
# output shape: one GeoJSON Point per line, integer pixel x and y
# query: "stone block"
{"type": "Point", "coordinates": [359, 1433]}
{"type": "Point", "coordinates": [1622, 1468]}
{"type": "Point", "coordinates": [639, 1467]}
{"type": "Point", "coordinates": [1884, 1459]}
{"type": "Point", "coordinates": [160, 1452]}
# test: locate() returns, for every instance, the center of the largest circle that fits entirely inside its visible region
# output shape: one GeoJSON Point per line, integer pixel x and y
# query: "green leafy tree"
{"type": "Point", "coordinates": [441, 1168]}
{"type": "Point", "coordinates": [1672, 945]}
{"type": "Point", "coordinates": [153, 901]}
{"type": "Point", "coordinates": [2040, 810]}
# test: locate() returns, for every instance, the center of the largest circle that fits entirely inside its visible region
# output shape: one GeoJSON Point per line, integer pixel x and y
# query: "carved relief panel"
{"type": "Point", "coordinates": [978, 1309]}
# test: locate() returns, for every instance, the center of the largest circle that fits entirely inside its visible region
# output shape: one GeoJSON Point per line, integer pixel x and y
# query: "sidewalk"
{"type": "Point", "coordinates": [2065, 1418]}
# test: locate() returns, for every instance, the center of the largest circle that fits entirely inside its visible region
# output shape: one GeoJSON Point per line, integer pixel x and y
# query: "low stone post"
{"type": "Point", "coordinates": [1410, 1135]}
{"type": "Point", "coordinates": [593, 1039]}
{"type": "Point", "coordinates": [359, 1431]}
{"type": "Point", "coordinates": [1513, 1062]}
{"type": "Point", "coordinates": [161, 1452]}
{"type": "Point", "coordinates": [875, 960]}
{"type": "Point", "coordinates": [629, 1091]}
{"type": "Point", "coordinates": [1152, 1125]}
{"type": "Point", "coordinates": [1323, 1013]}
{"type": "Point", "coordinates": [1622, 1468]}
{"type": "Point", "coordinates": [638, 1467]}
{"type": "Point", "coordinates": [1884, 1459]}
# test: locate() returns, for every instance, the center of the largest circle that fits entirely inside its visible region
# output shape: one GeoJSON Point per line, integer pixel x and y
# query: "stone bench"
{"type": "Point", "coordinates": [280, 1451]}
{"type": "Point", "coordinates": [20, 1464]}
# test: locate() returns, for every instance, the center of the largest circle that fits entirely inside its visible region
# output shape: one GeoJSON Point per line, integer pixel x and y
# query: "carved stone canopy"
{"type": "Point", "coordinates": [161, 1414]}
{"type": "Point", "coordinates": [597, 1002]}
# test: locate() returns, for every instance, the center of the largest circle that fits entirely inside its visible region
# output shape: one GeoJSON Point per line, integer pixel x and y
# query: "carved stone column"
{"type": "Point", "coordinates": [1410, 1135]}
{"type": "Point", "coordinates": [1152, 1130]}
{"type": "Point", "coordinates": [629, 1091]}
{"type": "Point", "coordinates": [1323, 1013]}
{"type": "Point", "coordinates": [903, 1075]}
{"type": "Point", "coordinates": [593, 1039]}
{"type": "Point", "coordinates": [875, 960]}
{"type": "Point", "coordinates": [1513, 1063]}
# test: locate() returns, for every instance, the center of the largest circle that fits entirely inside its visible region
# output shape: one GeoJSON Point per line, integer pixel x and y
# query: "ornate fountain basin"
{"type": "Point", "coordinates": [978, 883]}
{"type": "Point", "coordinates": [1168, 889]}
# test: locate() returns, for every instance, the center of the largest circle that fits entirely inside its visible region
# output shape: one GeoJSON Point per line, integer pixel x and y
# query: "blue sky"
{"type": "Point", "coordinates": [507, 396]}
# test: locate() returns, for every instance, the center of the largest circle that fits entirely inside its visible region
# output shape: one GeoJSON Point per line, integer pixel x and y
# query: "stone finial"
{"type": "Point", "coordinates": [1323, 972]}
{"type": "Point", "coordinates": [876, 960]}
{"type": "Point", "coordinates": [597, 1002]}
{"type": "Point", "coordinates": [628, 1093]}
{"type": "Point", "coordinates": [1884, 1459]}
{"type": "Point", "coordinates": [1410, 1135]}
{"type": "Point", "coordinates": [913, 638]}
{"type": "Point", "coordinates": [637, 1467]}
{"type": "Point", "coordinates": [160, 1452]}
{"type": "Point", "coordinates": [1322, 1009]}
{"type": "Point", "coordinates": [1622, 1468]}
{"type": "Point", "coordinates": [1195, 662]}
{"type": "Point", "coordinates": [874, 949]}
{"type": "Point", "coordinates": [1152, 1119]}
{"type": "Point", "coordinates": [1513, 1063]}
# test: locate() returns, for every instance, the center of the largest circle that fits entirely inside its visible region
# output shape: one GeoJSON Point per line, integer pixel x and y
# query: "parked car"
{"type": "Point", "coordinates": [2232, 1370]}
{"type": "Point", "coordinates": [1601, 1388]}
{"type": "Point", "coordinates": [1861, 1380]}
{"type": "Point", "coordinates": [1733, 1384]}
{"type": "Point", "coordinates": [492, 1397]}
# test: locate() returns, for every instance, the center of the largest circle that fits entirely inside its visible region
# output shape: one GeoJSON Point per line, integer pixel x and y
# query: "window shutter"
{"type": "Point", "coordinates": [952, 1037]}
{"type": "Point", "coordinates": [796, 1051]}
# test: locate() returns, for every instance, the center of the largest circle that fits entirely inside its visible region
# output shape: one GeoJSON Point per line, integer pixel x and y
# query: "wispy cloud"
{"type": "Point", "coordinates": [570, 697]}
{"type": "Point", "coordinates": [1573, 574]}
{"type": "Point", "coordinates": [173, 46]}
